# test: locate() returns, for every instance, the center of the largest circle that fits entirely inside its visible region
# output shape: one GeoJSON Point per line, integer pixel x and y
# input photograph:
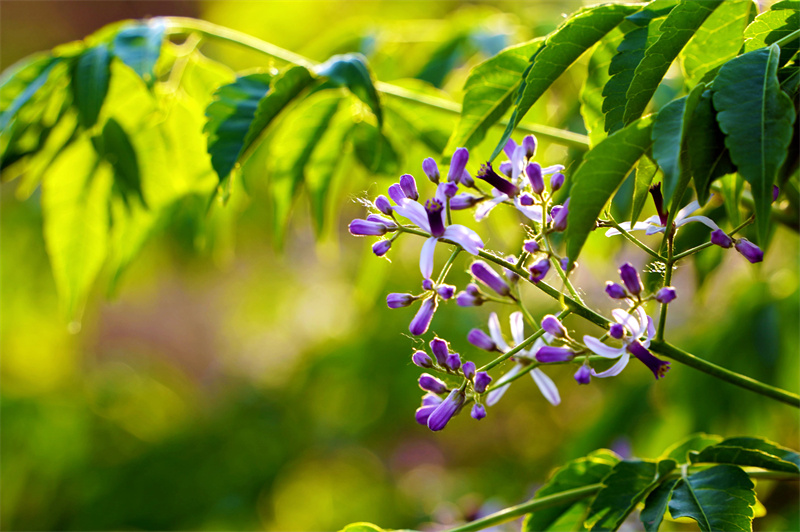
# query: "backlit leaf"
{"type": "Point", "coordinates": [719, 498]}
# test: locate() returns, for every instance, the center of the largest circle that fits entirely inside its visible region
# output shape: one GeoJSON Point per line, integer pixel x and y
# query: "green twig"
{"type": "Point", "coordinates": [670, 264]}
{"type": "Point", "coordinates": [635, 240]}
{"type": "Point", "coordinates": [703, 246]}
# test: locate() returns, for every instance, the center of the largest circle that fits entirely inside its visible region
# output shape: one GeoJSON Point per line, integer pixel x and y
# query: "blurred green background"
{"type": "Point", "coordinates": [225, 386]}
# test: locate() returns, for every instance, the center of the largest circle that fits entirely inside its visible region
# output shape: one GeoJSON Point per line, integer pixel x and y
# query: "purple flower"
{"type": "Point", "coordinates": [539, 270]}
{"type": "Point", "coordinates": [615, 291]}
{"type": "Point", "coordinates": [396, 193]}
{"type": "Point", "coordinates": [427, 284]}
{"type": "Point", "coordinates": [422, 320]}
{"type": "Point", "coordinates": [445, 291]}
{"type": "Point", "coordinates": [478, 411]}
{"type": "Point", "coordinates": [445, 411]}
{"type": "Point", "coordinates": [529, 146]}
{"type": "Point", "coordinates": [560, 216]}
{"type": "Point", "coordinates": [463, 201]}
{"type": "Point", "coordinates": [564, 263]}
{"type": "Point", "coordinates": [381, 247]}
{"type": "Point", "coordinates": [534, 173]}
{"type": "Point", "coordinates": [775, 192]}
{"type": "Point", "coordinates": [421, 359]}
{"type": "Point", "coordinates": [431, 170]}
{"type": "Point", "coordinates": [526, 200]}
{"type": "Point", "coordinates": [366, 228]}
{"type": "Point", "coordinates": [440, 349]}
{"type": "Point", "coordinates": [503, 185]}
{"type": "Point", "coordinates": [395, 300]}
{"type": "Point", "coordinates": [429, 383]}
{"type": "Point", "coordinates": [383, 205]}
{"type": "Point", "coordinates": [458, 164]}
{"type": "Point", "coordinates": [429, 404]}
{"type": "Point", "coordinates": [409, 186]}
{"type": "Point", "coordinates": [482, 380]}
{"type": "Point", "coordinates": [666, 295]}
{"type": "Point", "coordinates": [531, 246]}
{"type": "Point", "coordinates": [489, 277]}
{"type": "Point", "coordinates": [468, 368]}
{"type": "Point", "coordinates": [547, 354]}
{"type": "Point", "coordinates": [511, 276]}
{"type": "Point", "coordinates": [450, 189]}
{"type": "Point", "coordinates": [481, 340]}
{"type": "Point", "coordinates": [506, 168]}
{"type": "Point", "coordinates": [655, 224]}
{"type": "Point", "coordinates": [471, 297]}
{"type": "Point", "coordinates": [749, 250]}
{"type": "Point", "coordinates": [721, 239]}
{"type": "Point", "coordinates": [556, 181]}
{"type": "Point", "coordinates": [616, 331]}
{"type": "Point", "coordinates": [453, 361]}
{"type": "Point", "coordinates": [656, 365]}
{"type": "Point", "coordinates": [551, 325]}
{"type": "Point", "coordinates": [377, 218]}
{"type": "Point", "coordinates": [630, 277]}
{"type": "Point", "coordinates": [583, 375]}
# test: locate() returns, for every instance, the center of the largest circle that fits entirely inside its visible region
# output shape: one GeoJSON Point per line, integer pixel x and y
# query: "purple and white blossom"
{"type": "Point", "coordinates": [655, 224]}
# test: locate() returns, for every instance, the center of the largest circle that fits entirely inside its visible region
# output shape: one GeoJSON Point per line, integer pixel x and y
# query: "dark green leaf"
{"type": "Point", "coordinates": [373, 149]}
{"type": "Point", "coordinates": [562, 48]}
{"type": "Point", "coordinates": [29, 79]}
{"type": "Point", "coordinates": [676, 30]}
{"type": "Point", "coordinates": [656, 505]}
{"type": "Point", "coordinates": [719, 498]}
{"type": "Point", "coordinates": [602, 171]}
{"type": "Point", "coordinates": [627, 484]}
{"type": "Point", "coordinates": [90, 80]}
{"type": "Point", "coordinates": [756, 117]}
{"type": "Point", "coordinates": [731, 189]}
{"type": "Point", "coordinates": [680, 451]}
{"type": "Point", "coordinates": [782, 19]}
{"type": "Point", "coordinates": [230, 116]}
{"type": "Point", "coordinates": [708, 156]}
{"type": "Point", "coordinates": [489, 92]}
{"type": "Point", "coordinates": [760, 444]}
{"type": "Point", "coordinates": [139, 46]}
{"type": "Point", "coordinates": [597, 77]}
{"type": "Point", "coordinates": [120, 153]}
{"type": "Point", "coordinates": [728, 454]}
{"type": "Point", "coordinates": [431, 126]}
{"type": "Point", "coordinates": [351, 71]}
{"type": "Point", "coordinates": [444, 59]}
{"type": "Point", "coordinates": [583, 471]}
{"type": "Point", "coordinates": [646, 172]}
{"type": "Point", "coordinates": [717, 40]}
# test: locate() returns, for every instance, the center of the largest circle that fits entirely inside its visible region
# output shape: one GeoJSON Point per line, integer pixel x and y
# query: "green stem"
{"type": "Point", "coordinates": [635, 240]}
{"type": "Point", "coordinates": [530, 367]}
{"type": "Point", "coordinates": [703, 246]}
{"type": "Point", "coordinates": [448, 265]}
{"type": "Point", "coordinates": [561, 273]}
{"type": "Point", "coordinates": [662, 320]}
{"type": "Point", "coordinates": [787, 39]}
{"type": "Point", "coordinates": [185, 25]}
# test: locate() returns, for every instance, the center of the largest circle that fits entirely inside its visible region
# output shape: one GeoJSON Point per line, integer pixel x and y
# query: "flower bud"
{"type": "Point", "coordinates": [564, 263]}
{"type": "Point", "coordinates": [560, 216]}
{"type": "Point", "coordinates": [423, 317]}
{"type": "Point", "coordinates": [421, 359]}
{"type": "Point", "coordinates": [750, 251]}
{"type": "Point", "coordinates": [583, 375]}
{"type": "Point", "coordinates": [383, 205]}
{"type": "Point", "coordinates": [446, 291]}
{"type": "Point", "coordinates": [467, 180]}
{"type": "Point", "coordinates": [427, 284]}
{"type": "Point", "coordinates": [453, 361]}
{"type": "Point", "coordinates": [505, 168]}
{"type": "Point", "coordinates": [526, 199]}
{"type": "Point", "coordinates": [429, 383]}
{"type": "Point", "coordinates": [468, 368]}
{"type": "Point", "coordinates": [616, 331]}
{"type": "Point", "coordinates": [478, 411]}
{"type": "Point", "coordinates": [556, 181]}
{"type": "Point", "coordinates": [547, 354]}
{"type": "Point", "coordinates": [721, 239]}
{"type": "Point", "coordinates": [775, 192]}
{"type": "Point", "coordinates": [396, 193]}
{"type": "Point", "coordinates": [630, 277]}
{"type": "Point", "coordinates": [531, 246]}
{"type": "Point", "coordinates": [482, 380]}
{"type": "Point", "coordinates": [431, 169]}
{"type": "Point", "coordinates": [395, 300]}
{"type": "Point", "coordinates": [440, 350]}
{"type": "Point", "coordinates": [481, 340]}
{"type": "Point", "coordinates": [366, 228]}
{"type": "Point", "coordinates": [381, 247]}
{"type": "Point", "coordinates": [529, 145]}
{"type": "Point", "coordinates": [463, 201]}
{"type": "Point", "coordinates": [666, 295]}
{"type": "Point", "coordinates": [445, 411]}
{"type": "Point", "coordinates": [539, 270]}
{"type": "Point", "coordinates": [457, 164]}
{"type": "Point", "coordinates": [551, 325]}
{"type": "Point", "coordinates": [615, 291]}
{"type": "Point", "coordinates": [387, 222]}
{"type": "Point", "coordinates": [489, 277]}
{"type": "Point", "coordinates": [465, 299]}
{"type": "Point", "coordinates": [450, 189]}
{"type": "Point", "coordinates": [534, 173]}
{"type": "Point", "coordinates": [429, 403]}
{"type": "Point", "coordinates": [511, 276]}
{"type": "Point", "coordinates": [409, 186]}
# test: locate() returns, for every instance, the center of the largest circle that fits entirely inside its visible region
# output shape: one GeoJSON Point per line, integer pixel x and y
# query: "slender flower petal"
{"type": "Point", "coordinates": [445, 411]}
{"type": "Point", "coordinates": [500, 388]}
{"type": "Point", "coordinates": [464, 237]}
{"type": "Point", "coordinates": [431, 169]}
{"type": "Point", "coordinates": [489, 277]}
{"type": "Point", "coordinates": [749, 250]}
{"type": "Point", "coordinates": [468, 368]}
{"type": "Point", "coordinates": [721, 239]}
{"type": "Point", "coordinates": [666, 295]}
{"type": "Point", "coordinates": [421, 359]}
{"type": "Point", "coordinates": [482, 380]}
{"type": "Point", "coordinates": [422, 320]}
{"type": "Point", "coordinates": [478, 411]}
{"type": "Point", "coordinates": [599, 348]}
{"type": "Point", "coordinates": [630, 277]}
{"type": "Point", "coordinates": [457, 164]}
{"type": "Point", "coordinates": [496, 333]}
{"type": "Point", "coordinates": [481, 340]}
{"type": "Point", "coordinates": [426, 257]}
{"type": "Point", "coordinates": [429, 383]}
{"type": "Point", "coordinates": [583, 375]}
{"type": "Point", "coordinates": [509, 148]}
{"type": "Point", "coordinates": [395, 300]}
{"type": "Point", "coordinates": [614, 370]}
{"type": "Point", "coordinates": [546, 386]}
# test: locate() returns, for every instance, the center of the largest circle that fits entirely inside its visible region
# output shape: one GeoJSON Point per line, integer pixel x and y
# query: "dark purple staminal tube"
{"type": "Point", "coordinates": [503, 185]}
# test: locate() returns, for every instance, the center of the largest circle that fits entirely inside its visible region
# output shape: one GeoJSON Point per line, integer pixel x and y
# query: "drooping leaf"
{"type": "Point", "coordinates": [679, 451]}
{"type": "Point", "coordinates": [602, 171]}
{"type": "Point", "coordinates": [782, 19]}
{"type": "Point", "coordinates": [120, 153]}
{"type": "Point", "coordinates": [717, 40]}
{"type": "Point", "coordinates": [577, 473]}
{"type": "Point", "coordinates": [708, 155]}
{"type": "Point", "coordinates": [229, 118]}
{"type": "Point", "coordinates": [759, 444]}
{"type": "Point", "coordinates": [646, 172]}
{"type": "Point", "coordinates": [729, 454]}
{"type": "Point", "coordinates": [655, 505]}
{"type": "Point", "coordinates": [562, 48]}
{"type": "Point", "coordinates": [719, 498]}
{"type": "Point", "coordinates": [757, 118]}
{"type": "Point", "coordinates": [90, 78]}
{"type": "Point", "coordinates": [676, 30]}
{"type": "Point", "coordinates": [489, 92]}
{"type": "Point", "coordinates": [597, 77]}
{"type": "Point", "coordinates": [624, 487]}
{"type": "Point", "coordinates": [373, 150]}
{"type": "Point", "coordinates": [351, 71]}
{"type": "Point", "coordinates": [139, 46]}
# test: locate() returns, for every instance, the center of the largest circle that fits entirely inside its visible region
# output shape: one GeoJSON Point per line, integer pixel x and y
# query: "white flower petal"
{"type": "Point", "coordinates": [533, 212]}
{"type": "Point", "coordinates": [517, 159]}
{"type": "Point", "coordinates": [599, 348]}
{"type": "Point", "coordinates": [552, 169]}
{"type": "Point", "coordinates": [686, 211]}
{"type": "Point", "coordinates": [653, 229]}
{"type": "Point", "coordinates": [415, 212]}
{"type": "Point", "coordinates": [643, 319]}
{"type": "Point", "coordinates": [638, 226]}
{"type": "Point", "coordinates": [630, 323]}
{"type": "Point", "coordinates": [464, 237]}
{"type": "Point", "coordinates": [496, 334]}
{"type": "Point", "coordinates": [517, 328]}
{"type": "Point", "coordinates": [614, 370]}
{"type": "Point", "coordinates": [546, 386]}
{"type": "Point", "coordinates": [702, 219]}
{"type": "Point", "coordinates": [497, 393]}
{"type": "Point", "coordinates": [485, 207]}
{"type": "Point", "coordinates": [426, 257]}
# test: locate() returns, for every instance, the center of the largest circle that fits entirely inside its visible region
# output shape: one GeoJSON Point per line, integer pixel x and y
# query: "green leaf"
{"type": "Point", "coordinates": [90, 78]}
{"type": "Point", "coordinates": [728, 454]}
{"type": "Point", "coordinates": [139, 46]}
{"type": "Point", "coordinates": [429, 125]}
{"type": "Point", "coordinates": [627, 484]}
{"type": "Point", "coordinates": [646, 172]}
{"type": "Point", "coordinates": [75, 195]}
{"type": "Point", "coordinates": [373, 149]}
{"type": "Point", "coordinates": [293, 145]}
{"type": "Point", "coordinates": [708, 156]}
{"type": "Point", "coordinates": [28, 80]}
{"type": "Point", "coordinates": [362, 527]}
{"type": "Point", "coordinates": [719, 498]}
{"type": "Point", "coordinates": [597, 77]}
{"type": "Point", "coordinates": [284, 88]}
{"type": "Point", "coordinates": [676, 30]}
{"type": "Point", "coordinates": [679, 451]}
{"type": "Point", "coordinates": [756, 117]}
{"type": "Point", "coordinates": [230, 116]}
{"type": "Point", "coordinates": [732, 187]}
{"type": "Point", "coordinates": [717, 40]}
{"type": "Point", "coordinates": [782, 19]}
{"type": "Point", "coordinates": [489, 92]}
{"type": "Point", "coordinates": [562, 48]}
{"type": "Point", "coordinates": [602, 171]}
{"type": "Point", "coordinates": [656, 505]}
{"type": "Point", "coordinates": [120, 153]}
{"type": "Point", "coordinates": [577, 473]}
{"type": "Point", "coordinates": [351, 71]}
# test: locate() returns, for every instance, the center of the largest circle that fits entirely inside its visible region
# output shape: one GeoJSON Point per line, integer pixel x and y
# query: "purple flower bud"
{"type": "Point", "coordinates": [409, 186]}
{"type": "Point", "coordinates": [551, 325]}
{"type": "Point", "coordinates": [510, 276]}
{"type": "Point", "coordinates": [463, 201]}
{"type": "Point", "coordinates": [378, 219]}
{"type": "Point", "coordinates": [509, 148]}
{"type": "Point", "coordinates": [478, 411]}
{"type": "Point", "coordinates": [365, 228]}
{"type": "Point", "coordinates": [473, 289]}
{"type": "Point", "coordinates": [616, 331]}
{"type": "Point", "coordinates": [630, 277]}
{"type": "Point", "coordinates": [453, 361]}
{"type": "Point", "coordinates": [467, 180]}
{"type": "Point", "coordinates": [529, 145]}
{"type": "Point", "coordinates": [396, 193]}
{"type": "Point", "coordinates": [427, 284]}
{"type": "Point", "coordinates": [429, 383]}
{"type": "Point", "coordinates": [450, 189]}
{"type": "Point", "coordinates": [503, 185]}
{"type": "Point", "coordinates": [395, 300]}
{"type": "Point", "coordinates": [457, 164]}
{"type": "Point", "coordinates": [431, 399]}
{"type": "Point", "coordinates": [534, 173]}
{"type": "Point", "coordinates": [481, 340]}
{"type": "Point", "coordinates": [560, 216]}
{"type": "Point", "coordinates": [421, 359]}
{"type": "Point", "coordinates": [658, 200]}
{"type": "Point", "coordinates": [564, 263]}
{"type": "Point", "coordinates": [775, 192]}
{"type": "Point", "coordinates": [526, 199]}
{"type": "Point", "coordinates": [531, 246]}
{"type": "Point", "coordinates": [468, 368]}
{"type": "Point", "coordinates": [440, 350]}
{"type": "Point", "coordinates": [657, 366]}
{"type": "Point", "coordinates": [423, 413]}
{"type": "Point", "coordinates": [539, 270]}
{"type": "Point", "coordinates": [445, 411]}
{"type": "Point", "coordinates": [721, 239]}
{"type": "Point", "coordinates": [422, 320]}
{"type": "Point", "coordinates": [431, 169]}
{"type": "Point", "coordinates": [489, 277]}
{"type": "Point", "coordinates": [446, 291]}
{"type": "Point", "coordinates": [381, 247]}
{"type": "Point", "coordinates": [482, 380]}
{"type": "Point", "coordinates": [666, 295]}
{"type": "Point", "coordinates": [615, 291]}
{"type": "Point", "coordinates": [465, 299]}
{"type": "Point", "coordinates": [556, 181]}
{"type": "Point", "coordinates": [583, 375]}
{"type": "Point", "coordinates": [750, 251]}
{"type": "Point", "coordinates": [506, 167]}
{"type": "Point", "coordinates": [547, 354]}
{"type": "Point", "coordinates": [383, 205]}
